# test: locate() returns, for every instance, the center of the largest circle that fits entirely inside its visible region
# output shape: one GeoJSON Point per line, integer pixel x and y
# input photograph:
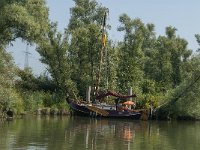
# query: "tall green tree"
{"type": "Point", "coordinates": [54, 51]}
{"type": "Point", "coordinates": [9, 98]}
{"type": "Point", "coordinates": [130, 71]}
{"type": "Point", "coordinates": [27, 20]}
{"type": "Point", "coordinates": [149, 49]}
{"type": "Point", "coordinates": [23, 19]}
{"type": "Point", "coordinates": [173, 53]}
{"type": "Point", "coordinates": [183, 101]}
{"type": "Point", "coordinates": [85, 32]}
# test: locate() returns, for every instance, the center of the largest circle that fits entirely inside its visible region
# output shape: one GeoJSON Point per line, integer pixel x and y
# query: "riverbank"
{"type": "Point", "coordinates": [47, 111]}
{"type": "Point", "coordinates": [40, 111]}
{"type": "Point", "coordinates": [52, 111]}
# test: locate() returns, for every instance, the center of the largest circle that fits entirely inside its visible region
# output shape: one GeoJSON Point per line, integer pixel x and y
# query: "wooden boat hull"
{"type": "Point", "coordinates": [96, 111]}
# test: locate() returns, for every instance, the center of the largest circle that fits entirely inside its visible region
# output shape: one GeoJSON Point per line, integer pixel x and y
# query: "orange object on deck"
{"type": "Point", "coordinates": [129, 103]}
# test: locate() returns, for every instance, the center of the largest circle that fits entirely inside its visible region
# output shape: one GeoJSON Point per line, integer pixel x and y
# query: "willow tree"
{"type": "Point", "coordinates": [54, 53]}
{"type": "Point", "coordinates": [183, 101]}
{"type": "Point", "coordinates": [9, 98]}
{"type": "Point", "coordinates": [23, 19]}
{"type": "Point", "coordinates": [27, 20]}
{"type": "Point", "coordinates": [172, 57]}
{"type": "Point", "coordinates": [130, 70]}
{"type": "Point", "coordinates": [85, 34]}
{"type": "Point", "coordinates": [150, 51]}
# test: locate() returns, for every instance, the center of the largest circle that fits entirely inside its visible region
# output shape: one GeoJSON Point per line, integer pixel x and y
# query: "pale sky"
{"type": "Point", "coordinates": [181, 14]}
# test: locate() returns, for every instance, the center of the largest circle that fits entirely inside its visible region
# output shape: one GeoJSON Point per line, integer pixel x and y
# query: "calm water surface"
{"type": "Point", "coordinates": [77, 133]}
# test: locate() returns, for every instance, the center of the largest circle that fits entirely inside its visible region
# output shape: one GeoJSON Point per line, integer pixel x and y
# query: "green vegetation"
{"type": "Point", "coordinates": [161, 69]}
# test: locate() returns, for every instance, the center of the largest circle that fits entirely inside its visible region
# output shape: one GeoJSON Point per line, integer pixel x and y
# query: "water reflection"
{"type": "Point", "coordinates": [49, 133]}
{"type": "Point", "coordinates": [102, 133]}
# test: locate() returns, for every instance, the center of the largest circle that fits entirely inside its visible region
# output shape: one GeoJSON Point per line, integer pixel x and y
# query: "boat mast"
{"type": "Point", "coordinates": [103, 44]}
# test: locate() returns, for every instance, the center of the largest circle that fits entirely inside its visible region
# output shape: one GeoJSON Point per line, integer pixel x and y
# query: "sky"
{"type": "Point", "coordinates": [182, 14]}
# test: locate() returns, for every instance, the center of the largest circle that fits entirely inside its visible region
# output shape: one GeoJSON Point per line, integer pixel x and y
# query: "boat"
{"type": "Point", "coordinates": [122, 105]}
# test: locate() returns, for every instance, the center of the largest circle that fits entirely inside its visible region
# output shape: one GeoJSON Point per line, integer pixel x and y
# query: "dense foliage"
{"type": "Point", "coordinates": [27, 20]}
{"type": "Point", "coordinates": [23, 19]}
{"type": "Point", "coordinates": [161, 69]}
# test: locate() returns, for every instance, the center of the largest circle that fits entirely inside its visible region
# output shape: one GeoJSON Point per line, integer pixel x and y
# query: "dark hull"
{"type": "Point", "coordinates": [79, 110]}
{"type": "Point", "coordinates": [85, 110]}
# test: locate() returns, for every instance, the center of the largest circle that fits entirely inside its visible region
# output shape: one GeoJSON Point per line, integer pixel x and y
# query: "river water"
{"type": "Point", "coordinates": [81, 133]}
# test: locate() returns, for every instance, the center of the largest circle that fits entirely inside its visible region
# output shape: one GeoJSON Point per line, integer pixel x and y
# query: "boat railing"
{"type": "Point", "coordinates": [105, 106]}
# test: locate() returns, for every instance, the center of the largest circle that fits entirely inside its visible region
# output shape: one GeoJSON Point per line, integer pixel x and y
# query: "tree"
{"type": "Point", "coordinates": [198, 39]}
{"type": "Point", "coordinates": [85, 44]}
{"type": "Point", "coordinates": [174, 53]}
{"type": "Point", "coordinates": [27, 20]}
{"type": "Point", "coordinates": [54, 53]}
{"type": "Point", "coordinates": [23, 19]}
{"type": "Point", "coordinates": [183, 101]}
{"type": "Point", "coordinates": [9, 98]}
{"type": "Point", "coordinates": [130, 70]}
{"type": "Point", "coordinates": [150, 53]}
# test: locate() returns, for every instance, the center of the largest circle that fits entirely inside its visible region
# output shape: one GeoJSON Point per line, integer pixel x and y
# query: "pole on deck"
{"type": "Point", "coordinates": [130, 92]}
{"type": "Point", "coordinates": [88, 94]}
